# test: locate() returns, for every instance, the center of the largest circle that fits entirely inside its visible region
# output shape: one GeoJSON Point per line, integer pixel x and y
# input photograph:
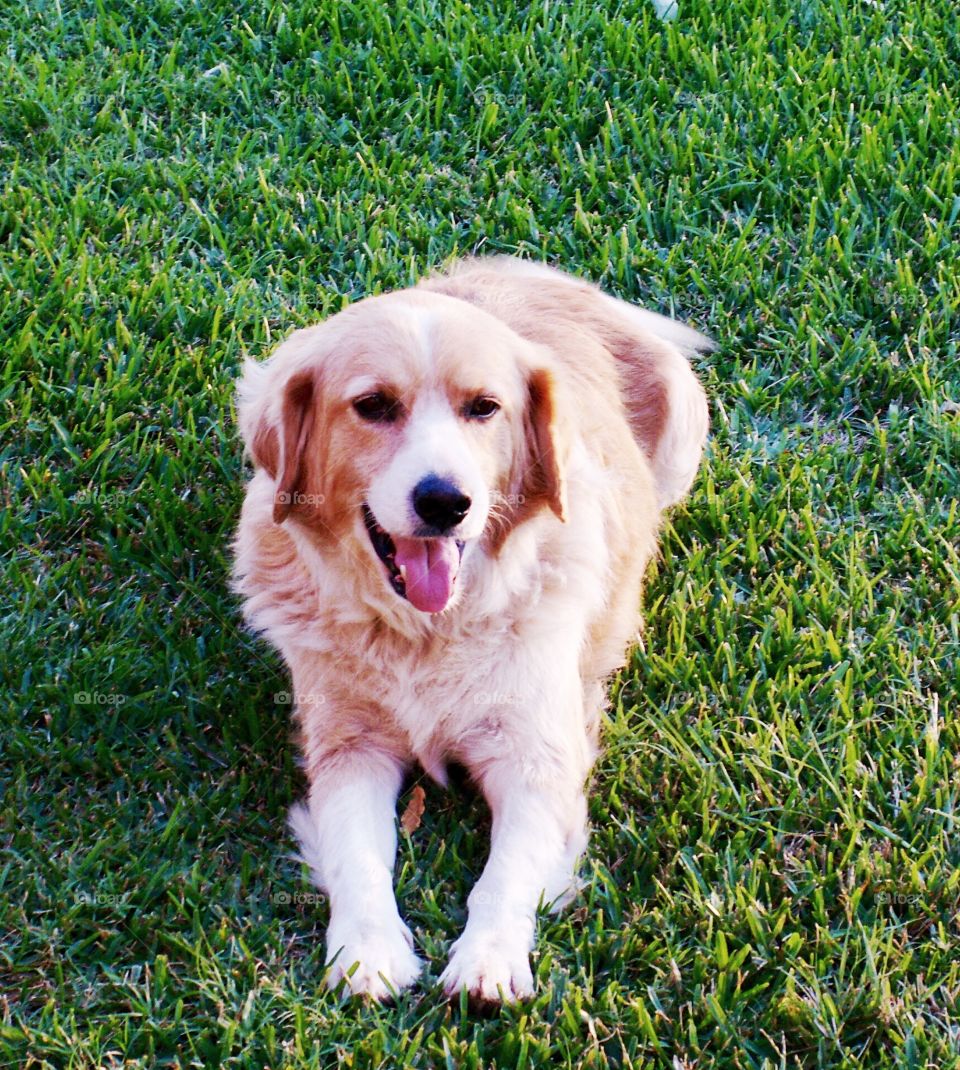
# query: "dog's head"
{"type": "Point", "coordinates": [407, 429]}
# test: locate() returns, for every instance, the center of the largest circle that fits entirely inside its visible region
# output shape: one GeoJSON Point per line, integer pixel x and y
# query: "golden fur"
{"type": "Point", "coordinates": [601, 424]}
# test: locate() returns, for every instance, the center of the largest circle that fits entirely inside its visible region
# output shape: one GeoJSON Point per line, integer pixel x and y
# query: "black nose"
{"type": "Point", "coordinates": [440, 503]}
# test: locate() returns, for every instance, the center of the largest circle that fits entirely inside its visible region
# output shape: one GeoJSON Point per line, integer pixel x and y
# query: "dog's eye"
{"type": "Point", "coordinates": [481, 408]}
{"type": "Point", "coordinates": [377, 408]}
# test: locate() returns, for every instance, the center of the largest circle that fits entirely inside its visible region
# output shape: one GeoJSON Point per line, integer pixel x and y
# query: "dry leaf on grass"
{"type": "Point", "coordinates": [410, 821]}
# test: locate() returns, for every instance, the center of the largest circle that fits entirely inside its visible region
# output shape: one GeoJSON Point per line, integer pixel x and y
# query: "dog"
{"type": "Point", "coordinates": [457, 491]}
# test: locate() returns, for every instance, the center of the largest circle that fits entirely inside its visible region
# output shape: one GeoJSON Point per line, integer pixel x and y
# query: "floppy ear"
{"type": "Point", "coordinates": [279, 446]}
{"type": "Point", "coordinates": [297, 417]}
{"type": "Point", "coordinates": [543, 478]}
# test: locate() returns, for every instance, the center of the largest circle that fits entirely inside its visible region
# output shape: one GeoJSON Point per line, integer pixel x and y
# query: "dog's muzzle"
{"type": "Point", "coordinates": [422, 570]}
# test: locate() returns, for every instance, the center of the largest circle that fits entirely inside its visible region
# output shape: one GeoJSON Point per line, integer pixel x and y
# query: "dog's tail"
{"type": "Point", "coordinates": [666, 405]}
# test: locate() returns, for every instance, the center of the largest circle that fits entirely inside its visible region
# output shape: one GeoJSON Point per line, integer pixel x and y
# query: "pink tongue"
{"type": "Point", "coordinates": [431, 567]}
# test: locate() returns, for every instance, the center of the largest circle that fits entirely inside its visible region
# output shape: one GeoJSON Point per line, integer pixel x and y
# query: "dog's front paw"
{"type": "Point", "coordinates": [493, 965]}
{"type": "Point", "coordinates": [386, 963]}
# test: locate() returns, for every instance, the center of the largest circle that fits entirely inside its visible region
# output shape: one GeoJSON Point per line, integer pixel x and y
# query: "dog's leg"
{"type": "Point", "coordinates": [539, 830]}
{"type": "Point", "coordinates": [347, 832]}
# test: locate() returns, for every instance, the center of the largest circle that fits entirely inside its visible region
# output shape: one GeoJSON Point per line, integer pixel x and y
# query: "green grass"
{"type": "Point", "coordinates": [772, 880]}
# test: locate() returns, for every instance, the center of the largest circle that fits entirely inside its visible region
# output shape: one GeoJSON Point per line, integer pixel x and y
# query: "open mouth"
{"type": "Point", "coordinates": [423, 571]}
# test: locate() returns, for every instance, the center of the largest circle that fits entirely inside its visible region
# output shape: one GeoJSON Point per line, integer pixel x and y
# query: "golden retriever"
{"type": "Point", "coordinates": [457, 492]}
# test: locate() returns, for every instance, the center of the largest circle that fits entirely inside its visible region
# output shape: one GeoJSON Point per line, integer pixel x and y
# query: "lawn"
{"type": "Point", "coordinates": [772, 879]}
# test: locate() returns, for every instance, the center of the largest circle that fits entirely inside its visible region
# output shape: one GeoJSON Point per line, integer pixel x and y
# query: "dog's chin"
{"type": "Point", "coordinates": [421, 570]}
